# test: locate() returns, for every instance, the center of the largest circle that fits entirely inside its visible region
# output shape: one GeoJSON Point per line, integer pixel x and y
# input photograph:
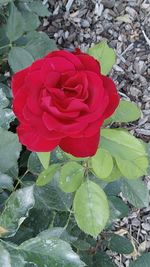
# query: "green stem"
{"type": "Point", "coordinates": [68, 220]}
{"type": "Point", "coordinates": [53, 220]}
{"type": "Point", "coordinates": [8, 45]}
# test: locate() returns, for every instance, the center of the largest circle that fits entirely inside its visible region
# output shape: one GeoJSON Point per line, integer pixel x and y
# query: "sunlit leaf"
{"type": "Point", "coordinates": [47, 175]}
{"type": "Point", "coordinates": [102, 163]}
{"type": "Point", "coordinates": [44, 158]}
{"type": "Point", "coordinates": [71, 176]}
{"type": "Point", "coordinates": [126, 112]}
{"type": "Point", "coordinates": [105, 55]}
{"type": "Point", "coordinates": [91, 208]}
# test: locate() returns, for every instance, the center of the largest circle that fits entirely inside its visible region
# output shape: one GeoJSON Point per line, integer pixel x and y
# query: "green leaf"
{"type": "Point", "coordinates": [129, 152]}
{"type": "Point", "coordinates": [74, 158]}
{"type": "Point", "coordinates": [31, 21]}
{"type": "Point", "coordinates": [39, 8]}
{"type": "Point", "coordinates": [52, 197]}
{"type": "Point", "coordinates": [142, 261]}
{"type": "Point", "coordinates": [122, 144]}
{"type": "Point", "coordinates": [15, 24]}
{"type": "Point", "coordinates": [7, 91]}
{"type": "Point", "coordinates": [105, 55]}
{"type": "Point", "coordinates": [113, 188]}
{"type": "Point", "coordinates": [44, 158]}
{"type": "Point", "coordinates": [118, 209]}
{"type": "Point", "coordinates": [81, 245]}
{"type": "Point", "coordinates": [9, 150]}
{"type": "Point", "coordinates": [50, 252]}
{"type": "Point", "coordinates": [119, 244]}
{"type": "Point", "coordinates": [58, 232]}
{"type": "Point", "coordinates": [6, 182]}
{"type": "Point", "coordinates": [126, 112]}
{"type": "Point", "coordinates": [115, 174]}
{"type": "Point", "coordinates": [4, 102]}
{"type": "Point", "coordinates": [34, 164]}
{"type": "Point", "coordinates": [136, 192]}
{"type": "Point", "coordinates": [6, 117]}
{"type": "Point", "coordinates": [71, 177]}
{"type": "Point", "coordinates": [102, 163]}
{"type": "Point", "coordinates": [4, 257]}
{"type": "Point", "coordinates": [47, 175]}
{"type": "Point", "coordinates": [19, 58]}
{"type": "Point", "coordinates": [16, 210]}
{"type": "Point", "coordinates": [91, 208]}
{"type": "Point", "coordinates": [133, 169]}
{"type": "Point", "coordinates": [5, 2]}
{"type": "Point", "coordinates": [101, 259]}
{"type": "Point", "coordinates": [4, 42]}
{"type": "Point", "coordinates": [8, 259]}
{"type": "Point", "coordinates": [39, 44]}
{"type": "Point", "coordinates": [6, 114]}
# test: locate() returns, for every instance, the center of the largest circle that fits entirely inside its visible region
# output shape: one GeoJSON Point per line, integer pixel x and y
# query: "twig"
{"type": "Point", "coordinates": [69, 4]}
{"type": "Point", "coordinates": [146, 38]}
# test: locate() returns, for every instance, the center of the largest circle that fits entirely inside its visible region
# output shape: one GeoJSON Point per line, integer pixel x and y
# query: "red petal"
{"type": "Point", "coordinates": [80, 147]}
{"type": "Point", "coordinates": [34, 141]}
{"type": "Point", "coordinates": [89, 62]}
{"type": "Point", "coordinates": [19, 102]}
{"type": "Point", "coordinates": [18, 80]}
{"type": "Point", "coordinates": [69, 56]}
{"type": "Point", "coordinates": [114, 98]}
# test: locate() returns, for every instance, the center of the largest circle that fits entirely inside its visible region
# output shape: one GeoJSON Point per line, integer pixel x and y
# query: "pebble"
{"type": "Point", "coordinates": [143, 121]}
{"type": "Point", "coordinates": [146, 226]}
{"type": "Point", "coordinates": [143, 131]}
{"type": "Point", "coordinates": [140, 67]}
{"type": "Point", "coordinates": [108, 3]}
{"type": "Point", "coordinates": [147, 126]}
{"type": "Point", "coordinates": [85, 23]}
{"type": "Point", "coordinates": [135, 222]}
{"type": "Point", "coordinates": [132, 12]}
{"type": "Point", "coordinates": [135, 91]}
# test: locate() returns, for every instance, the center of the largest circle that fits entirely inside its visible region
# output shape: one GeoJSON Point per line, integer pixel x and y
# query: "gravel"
{"type": "Point", "coordinates": [126, 27]}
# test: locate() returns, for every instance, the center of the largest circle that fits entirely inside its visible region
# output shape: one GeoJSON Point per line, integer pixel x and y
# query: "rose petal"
{"type": "Point", "coordinates": [64, 126]}
{"type": "Point", "coordinates": [69, 56]}
{"type": "Point", "coordinates": [80, 147]}
{"type": "Point", "coordinates": [114, 98]}
{"type": "Point", "coordinates": [19, 102]}
{"type": "Point", "coordinates": [89, 62]}
{"type": "Point", "coordinates": [34, 141]}
{"type": "Point", "coordinates": [55, 64]}
{"type": "Point", "coordinates": [18, 80]}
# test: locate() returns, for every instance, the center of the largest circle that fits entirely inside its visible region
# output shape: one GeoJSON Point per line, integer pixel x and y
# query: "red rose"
{"type": "Point", "coordinates": [63, 99]}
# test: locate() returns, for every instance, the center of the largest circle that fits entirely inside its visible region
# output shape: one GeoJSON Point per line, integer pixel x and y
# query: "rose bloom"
{"type": "Point", "coordinates": [63, 99]}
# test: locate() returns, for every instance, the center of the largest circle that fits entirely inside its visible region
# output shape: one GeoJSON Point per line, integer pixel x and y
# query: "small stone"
{"type": "Point", "coordinates": [118, 68]}
{"type": "Point", "coordinates": [140, 67]}
{"type": "Point", "coordinates": [45, 22]}
{"type": "Point", "coordinates": [146, 226]}
{"type": "Point", "coordinates": [134, 91]}
{"type": "Point", "coordinates": [142, 131]}
{"type": "Point", "coordinates": [143, 121]}
{"type": "Point", "coordinates": [147, 126]}
{"type": "Point", "coordinates": [132, 12]}
{"type": "Point", "coordinates": [108, 3]}
{"type": "Point", "coordinates": [85, 23]}
{"type": "Point", "coordinates": [135, 222]}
